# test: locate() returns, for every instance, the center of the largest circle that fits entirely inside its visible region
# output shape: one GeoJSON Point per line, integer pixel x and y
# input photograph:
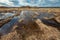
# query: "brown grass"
{"type": "Point", "coordinates": [33, 31]}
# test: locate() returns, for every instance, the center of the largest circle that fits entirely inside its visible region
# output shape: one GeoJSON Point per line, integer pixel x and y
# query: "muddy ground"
{"type": "Point", "coordinates": [35, 30]}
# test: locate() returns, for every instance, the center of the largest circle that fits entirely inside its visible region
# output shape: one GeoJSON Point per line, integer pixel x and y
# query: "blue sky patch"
{"type": "Point", "coordinates": [32, 3]}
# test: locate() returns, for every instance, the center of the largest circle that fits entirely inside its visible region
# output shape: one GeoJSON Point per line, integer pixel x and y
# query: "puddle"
{"type": "Point", "coordinates": [5, 15]}
{"type": "Point", "coordinates": [26, 16]}
{"type": "Point", "coordinates": [9, 26]}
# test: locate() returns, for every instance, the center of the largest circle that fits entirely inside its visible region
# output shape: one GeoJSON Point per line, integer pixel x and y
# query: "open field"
{"type": "Point", "coordinates": [34, 9]}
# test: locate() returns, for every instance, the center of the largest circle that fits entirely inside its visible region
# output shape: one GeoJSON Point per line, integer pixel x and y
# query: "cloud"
{"type": "Point", "coordinates": [37, 3]}
{"type": "Point", "coordinates": [29, 2]}
{"type": "Point", "coordinates": [7, 2]}
{"type": "Point", "coordinates": [54, 0]}
{"type": "Point", "coordinates": [15, 2]}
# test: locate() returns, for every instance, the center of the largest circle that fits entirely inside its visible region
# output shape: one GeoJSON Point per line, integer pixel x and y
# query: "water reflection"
{"type": "Point", "coordinates": [30, 15]}
{"type": "Point", "coordinates": [8, 27]}
{"type": "Point", "coordinates": [26, 16]}
{"type": "Point", "coordinates": [5, 15]}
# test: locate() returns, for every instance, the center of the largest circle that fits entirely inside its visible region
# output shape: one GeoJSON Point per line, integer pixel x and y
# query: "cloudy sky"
{"type": "Point", "coordinates": [32, 3]}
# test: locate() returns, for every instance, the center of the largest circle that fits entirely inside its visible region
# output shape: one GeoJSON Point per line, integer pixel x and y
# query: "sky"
{"type": "Point", "coordinates": [32, 3]}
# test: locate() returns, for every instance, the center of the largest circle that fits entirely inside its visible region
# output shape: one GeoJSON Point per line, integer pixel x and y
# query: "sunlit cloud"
{"type": "Point", "coordinates": [36, 3]}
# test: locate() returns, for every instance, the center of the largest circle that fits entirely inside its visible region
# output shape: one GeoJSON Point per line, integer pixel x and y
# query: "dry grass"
{"type": "Point", "coordinates": [33, 31]}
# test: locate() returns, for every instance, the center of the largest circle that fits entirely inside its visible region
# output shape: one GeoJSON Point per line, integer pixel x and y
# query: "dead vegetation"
{"type": "Point", "coordinates": [35, 30]}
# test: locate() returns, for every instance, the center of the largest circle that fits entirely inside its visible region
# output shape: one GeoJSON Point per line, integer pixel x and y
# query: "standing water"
{"type": "Point", "coordinates": [26, 16]}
